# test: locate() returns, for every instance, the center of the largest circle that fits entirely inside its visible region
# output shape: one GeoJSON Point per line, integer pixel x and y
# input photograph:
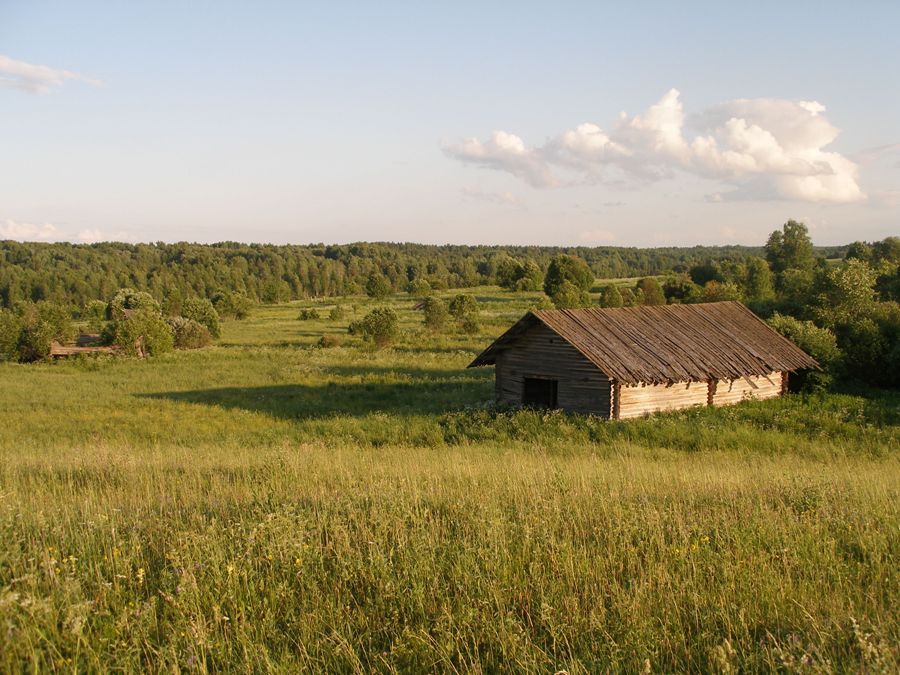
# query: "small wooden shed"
{"type": "Point", "coordinates": [632, 361]}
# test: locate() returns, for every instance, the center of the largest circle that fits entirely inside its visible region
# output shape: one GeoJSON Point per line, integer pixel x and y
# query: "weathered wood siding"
{"type": "Point", "coordinates": [540, 352]}
{"type": "Point", "coordinates": [729, 392]}
{"type": "Point", "coordinates": [636, 400]}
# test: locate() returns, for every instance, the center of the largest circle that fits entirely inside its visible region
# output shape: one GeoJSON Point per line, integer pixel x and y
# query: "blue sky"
{"type": "Point", "coordinates": [464, 123]}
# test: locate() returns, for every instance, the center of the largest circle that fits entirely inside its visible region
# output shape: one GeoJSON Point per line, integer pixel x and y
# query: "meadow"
{"type": "Point", "coordinates": [270, 505]}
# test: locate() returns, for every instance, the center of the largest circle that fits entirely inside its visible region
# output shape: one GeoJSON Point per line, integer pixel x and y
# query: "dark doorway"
{"type": "Point", "coordinates": [539, 393]}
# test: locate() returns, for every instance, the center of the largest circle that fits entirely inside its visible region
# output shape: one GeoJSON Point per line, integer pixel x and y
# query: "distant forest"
{"type": "Point", "coordinates": [73, 274]}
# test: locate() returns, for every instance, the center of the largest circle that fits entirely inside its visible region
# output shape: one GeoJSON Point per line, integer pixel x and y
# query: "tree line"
{"type": "Point", "coordinates": [74, 274]}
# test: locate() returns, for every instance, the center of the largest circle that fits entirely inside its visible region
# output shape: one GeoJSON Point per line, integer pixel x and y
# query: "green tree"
{"type": "Point", "coordinates": [859, 250]}
{"type": "Point", "coordinates": [188, 334]}
{"type": "Point", "coordinates": [790, 248]}
{"type": "Point", "coordinates": [570, 296]}
{"type": "Point", "coordinates": [819, 343]}
{"type": "Point", "coordinates": [128, 298]}
{"type": "Point", "coordinates": [436, 314]}
{"type": "Point", "coordinates": [202, 311]}
{"type": "Point", "coordinates": [10, 333]}
{"type": "Point", "coordinates": [464, 307]}
{"type": "Point", "coordinates": [94, 313]}
{"type": "Point", "coordinates": [653, 293]}
{"type": "Point", "coordinates": [848, 293]}
{"type": "Point", "coordinates": [611, 297]}
{"type": "Point", "coordinates": [681, 289]}
{"type": "Point", "coordinates": [144, 332]}
{"type": "Point", "coordinates": [380, 326]}
{"type": "Point", "coordinates": [758, 285]}
{"type": "Point", "coordinates": [565, 268]}
{"type": "Point", "coordinates": [719, 292]}
{"type": "Point", "coordinates": [508, 272]}
{"type": "Point", "coordinates": [531, 279]}
{"type": "Point", "coordinates": [377, 286]}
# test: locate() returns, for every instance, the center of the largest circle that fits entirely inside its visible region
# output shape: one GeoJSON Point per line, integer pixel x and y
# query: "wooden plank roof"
{"type": "Point", "coordinates": [666, 343]}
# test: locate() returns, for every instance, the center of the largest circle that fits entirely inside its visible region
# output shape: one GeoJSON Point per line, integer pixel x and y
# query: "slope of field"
{"type": "Point", "coordinates": [266, 504]}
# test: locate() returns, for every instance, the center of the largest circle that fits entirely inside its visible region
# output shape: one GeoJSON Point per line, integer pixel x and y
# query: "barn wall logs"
{"type": "Point", "coordinates": [728, 392]}
{"type": "Point", "coordinates": [540, 352]}
{"type": "Point", "coordinates": [636, 400]}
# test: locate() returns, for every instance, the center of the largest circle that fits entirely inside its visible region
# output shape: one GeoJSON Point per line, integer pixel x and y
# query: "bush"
{"type": "Point", "coordinates": [565, 268]}
{"type": "Point", "coordinates": [144, 332]}
{"type": "Point", "coordinates": [336, 313]}
{"type": "Point", "coordinates": [188, 334]}
{"type": "Point", "coordinates": [419, 287]}
{"type": "Point", "coordinates": [128, 298]}
{"type": "Point", "coordinates": [10, 331]}
{"type": "Point", "coordinates": [463, 305]}
{"type": "Point", "coordinates": [611, 297]}
{"type": "Point", "coordinates": [379, 326]}
{"type": "Point", "coordinates": [308, 314]}
{"type": "Point", "coordinates": [820, 343]}
{"type": "Point", "coordinates": [94, 313]}
{"type": "Point", "coordinates": [202, 311]}
{"type": "Point", "coordinates": [377, 286]}
{"type": "Point", "coordinates": [570, 296]}
{"type": "Point", "coordinates": [653, 293]}
{"type": "Point", "coordinates": [234, 305]}
{"type": "Point", "coordinates": [327, 341]}
{"type": "Point", "coordinates": [436, 314]}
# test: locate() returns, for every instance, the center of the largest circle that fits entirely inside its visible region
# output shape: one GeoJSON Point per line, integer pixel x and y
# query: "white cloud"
{"type": "Point", "coordinates": [764, 148]}
{"type": "Point", "coordinates": [10, 229]}
{"type": "Point", "coordinates": [33, 78]}
{"type": "Point", "coordinates": [506, 152]}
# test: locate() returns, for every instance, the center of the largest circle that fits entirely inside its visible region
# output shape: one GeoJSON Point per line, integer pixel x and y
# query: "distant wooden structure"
{"type": "Point", "coordinates": [86, 343]}
{"type": "Point", "coordinates": [629, 362]}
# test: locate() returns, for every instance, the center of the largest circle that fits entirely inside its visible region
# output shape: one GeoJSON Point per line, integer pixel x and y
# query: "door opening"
{"type": "Point", "coordinates": [539, 392]}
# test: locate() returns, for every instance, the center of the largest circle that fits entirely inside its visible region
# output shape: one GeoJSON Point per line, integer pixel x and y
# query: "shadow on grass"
{"type": "Point", "coordinates": [429, 392]}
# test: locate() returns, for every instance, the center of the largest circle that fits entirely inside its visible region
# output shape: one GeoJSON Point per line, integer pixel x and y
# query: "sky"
{"type": "Point", "coordinates": [565, 123]}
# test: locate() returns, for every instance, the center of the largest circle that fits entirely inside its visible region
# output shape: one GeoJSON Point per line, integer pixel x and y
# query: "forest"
{"type": "Point", "coordinates": [73, 274]}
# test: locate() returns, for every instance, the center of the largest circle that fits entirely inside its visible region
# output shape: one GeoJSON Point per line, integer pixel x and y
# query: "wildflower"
{"type": "Point", "coordinates": [140, 575]}
{"type": "Point", "coordinates": [296, 561]}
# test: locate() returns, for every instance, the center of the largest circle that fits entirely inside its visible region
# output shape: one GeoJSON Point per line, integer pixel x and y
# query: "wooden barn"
{"type": "Point", "coordinates": [628, 362]}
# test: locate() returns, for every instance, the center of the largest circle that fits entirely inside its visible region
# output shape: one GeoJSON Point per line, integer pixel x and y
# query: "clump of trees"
{"type": "Point", "coordinates": [568, 281]}
{"type": "Point", "coordinates": [27, 330]}
{"type": "Point", "coordinates": [464, 308]}
{"type": "Point", "coordinates": [380, 327]}
{"type": "Point", "coordinates": [518, 275]}
{"type": "Point", "coordinates": [203, 312]}
{"type": "Point", "coordinates": [436, 314]}
{"type": "Point", "coordinates": [377, 286]}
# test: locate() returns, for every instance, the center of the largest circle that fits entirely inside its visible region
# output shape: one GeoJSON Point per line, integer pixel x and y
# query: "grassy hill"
{"type": "Point", "coordinates": [266, 504]}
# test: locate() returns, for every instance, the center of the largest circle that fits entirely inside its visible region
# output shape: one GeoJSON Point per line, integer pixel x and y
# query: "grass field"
{"type": "Point", "coordinates": [266, 504]}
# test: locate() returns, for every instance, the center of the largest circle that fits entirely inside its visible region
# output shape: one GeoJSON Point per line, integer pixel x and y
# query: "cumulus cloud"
{"type": "Point", "coordinates": [765, 148]}
{"type": "Point", "coordinates": [33, 78]}
{"type": "Point", "coordinates": [10, 229]}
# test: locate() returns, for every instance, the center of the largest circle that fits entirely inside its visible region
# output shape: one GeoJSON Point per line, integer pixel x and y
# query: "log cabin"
{"type": "Point", "coordinates": [633, 361]}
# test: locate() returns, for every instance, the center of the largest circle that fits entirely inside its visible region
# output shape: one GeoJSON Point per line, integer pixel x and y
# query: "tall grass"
{"type": "Point", "coordinates": [266, 505]}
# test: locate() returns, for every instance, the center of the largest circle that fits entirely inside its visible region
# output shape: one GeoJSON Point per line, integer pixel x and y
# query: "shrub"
{"type": "Point", "coordinates": [188, 334]}
{"type": "Point", "coordinates": [336, 313]}
{"type": "Point", "coordinates": [419, 287]}
{"type": "Point", "coordinates": [377, 286]}
{"type": "Point", "coordinates": [308, 314]}
{"type": "Point", "coordinates": [202, 311]}
{"type": "Point", "coordinates": [436, 314]}
{"type": "Point", "coordinates": [611, 297]}
{"type": "Point", "coordinates": [145, 331]}
{"type": "Point", "coordinates": [820, 343]}
{"type": "Point", "coordinates": [327, 341]}
{"type": "Point", "coordinates": [462, 305]}
{"type": "Point", "coordinates": [565, 268]}
{"type": "Point", "coordinates": [653, 293]}
{"type": "Point", "coordinates": [234, 305]}
{"type": "Point", "coordinates": [128, 298]}
{"type": "Point", "coordinates": [379, 326]}
{"type": "Point", "coordinates": [94, 313]}
{"type": "Point", "coordinates": [570, 296]}
{"type": "Point", "coordinates": [10, 331]}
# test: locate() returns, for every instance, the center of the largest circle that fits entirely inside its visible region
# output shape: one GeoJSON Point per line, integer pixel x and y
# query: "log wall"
{"type": "Point", "coordinates": [728, 392]}
{"type": "Point", "coordinates": [637, 400]}
{"type": "Point", "coordinates": [540, 352]}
